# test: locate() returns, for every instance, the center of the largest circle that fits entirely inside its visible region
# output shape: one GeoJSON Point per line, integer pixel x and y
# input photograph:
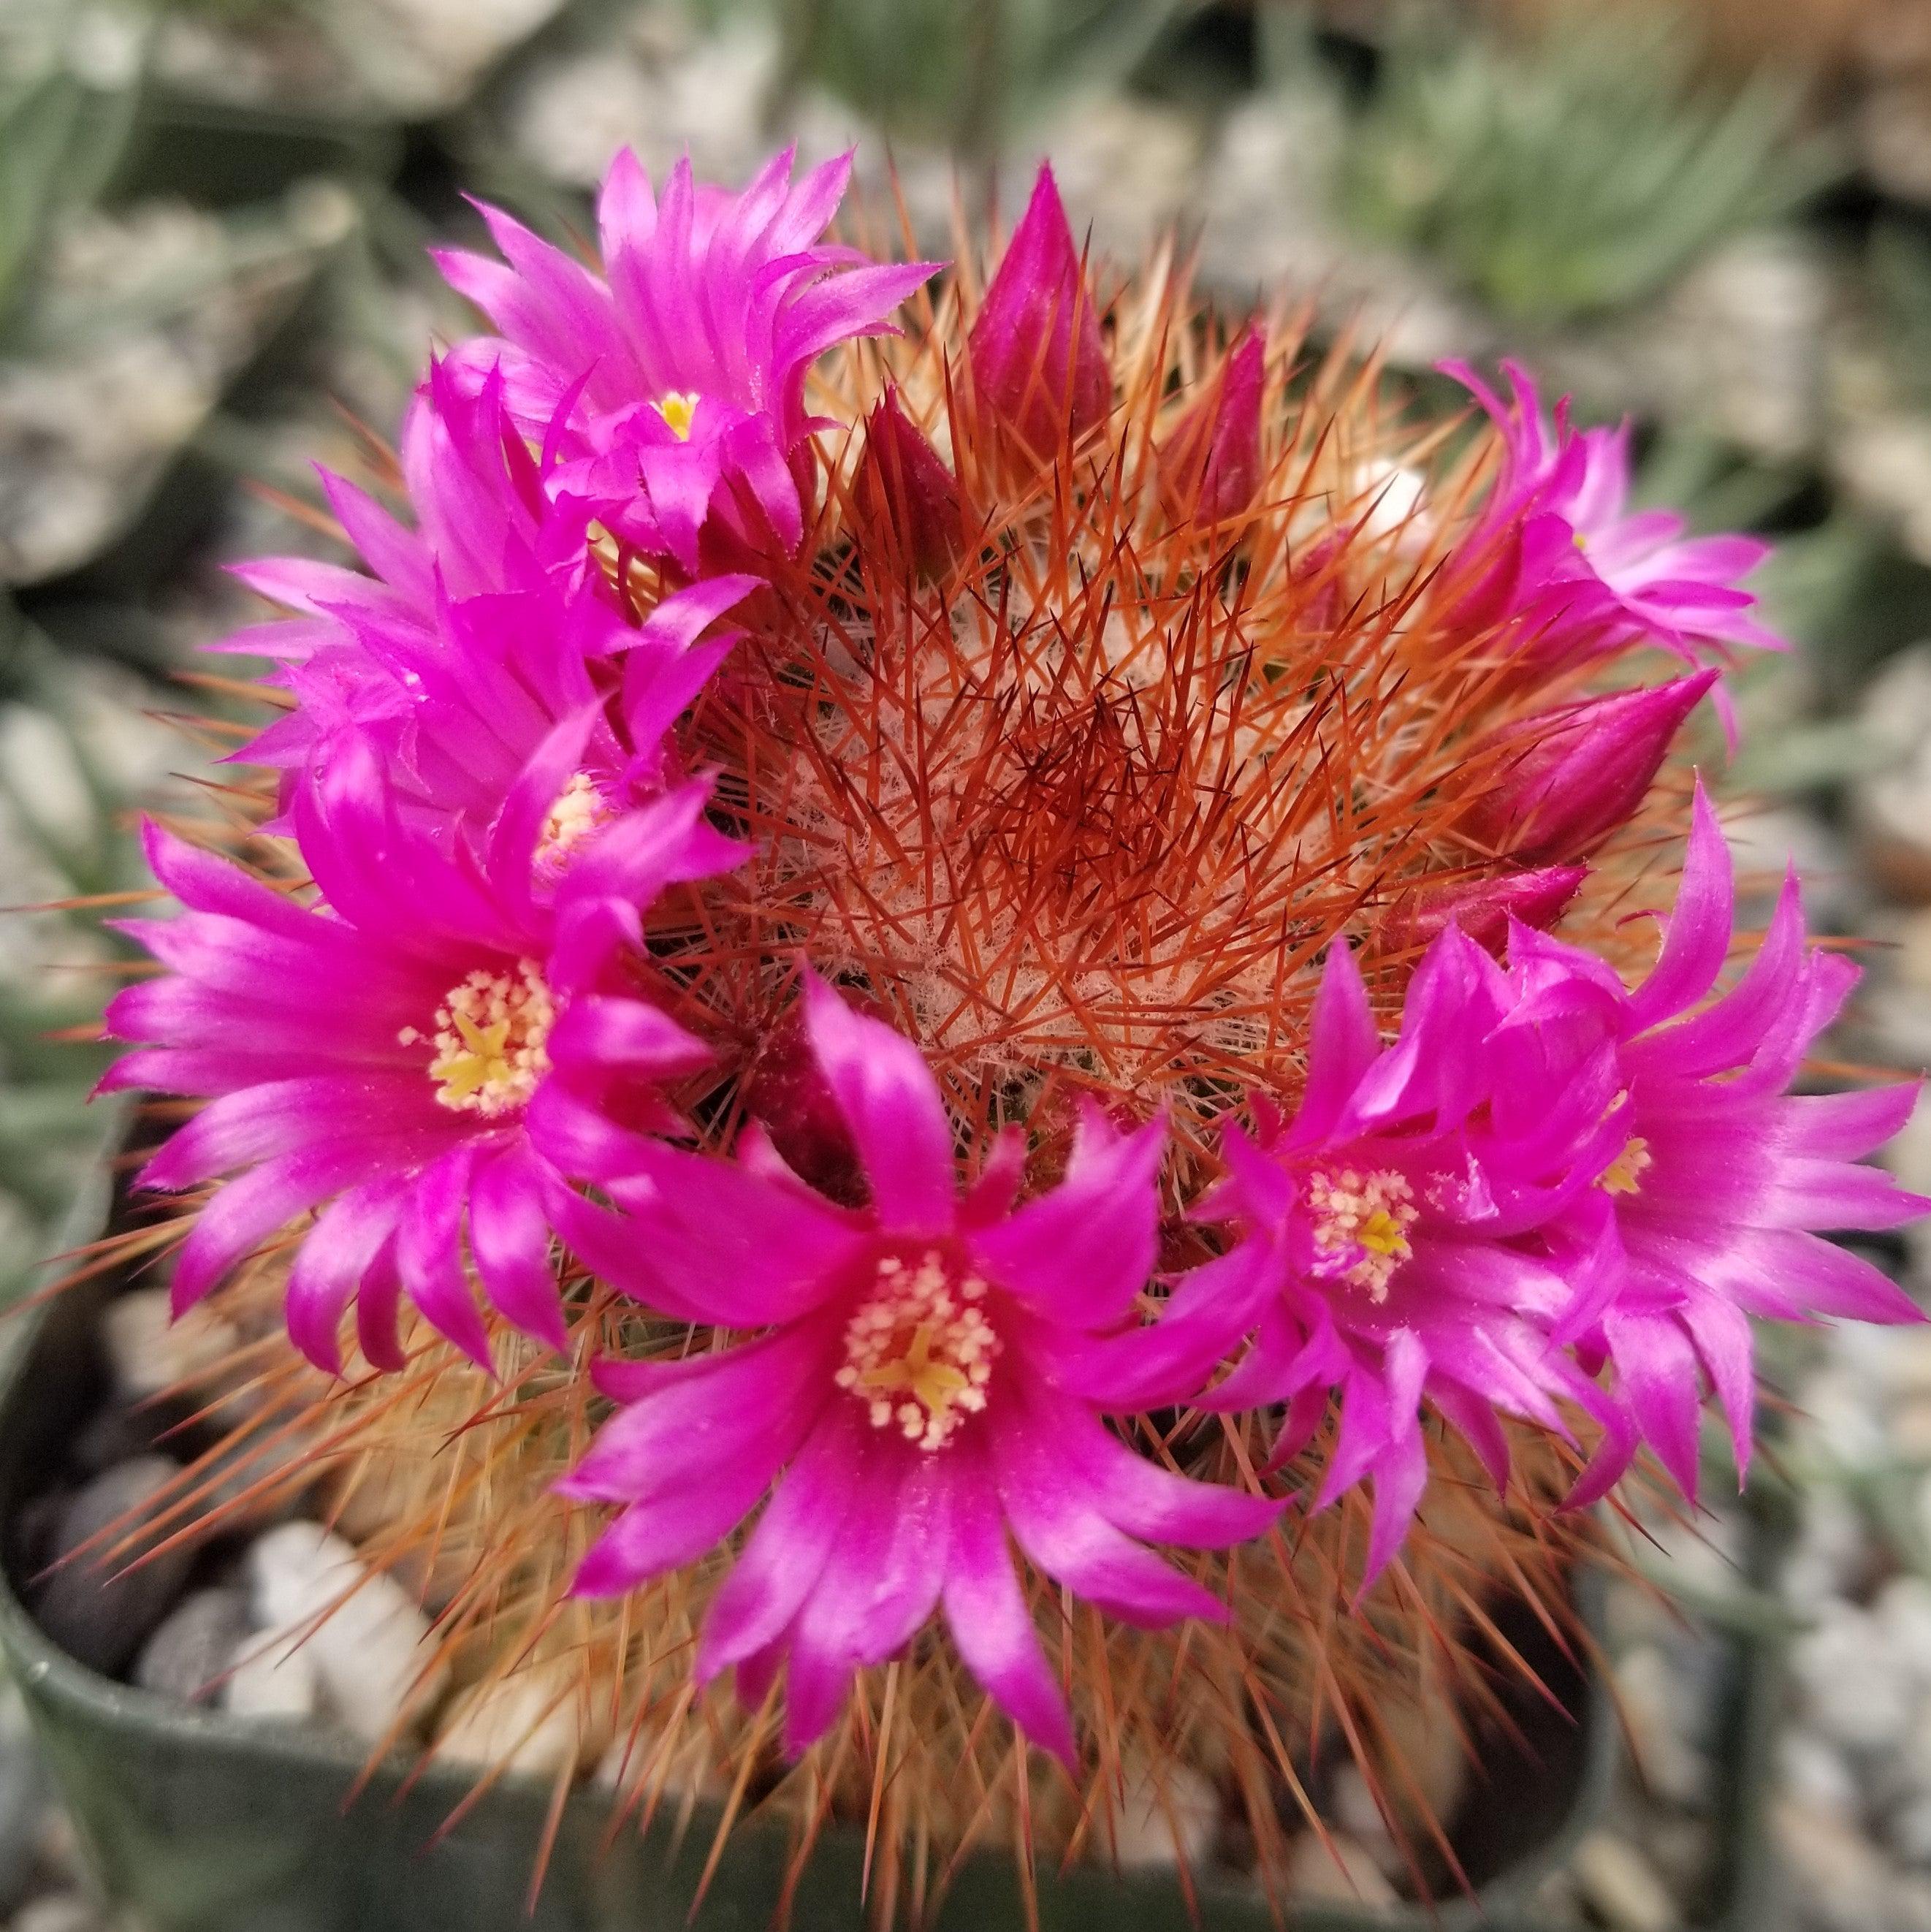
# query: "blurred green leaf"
{"type": "Point", "coordinates": [48, 1066]}
{"type": "Point", "coordinates": [1899, 273]}
{"type": "Point", "coordinates": [971, 73]}
{"type": "Point", "coordinates": [1576, 172]}
{"type": "Point", "coordinates": [37, 134]}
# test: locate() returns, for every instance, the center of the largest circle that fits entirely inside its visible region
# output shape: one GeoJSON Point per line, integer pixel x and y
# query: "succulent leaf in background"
{"type": "Point", "coordinates": [1576, 171]}
{"type": "Point", "coordinates": [1900, 280]}
{"type": "Point", "coordinates": [74, 758]}
{"type": "Point", "coordinates": [60, 137]}
{"type": "Point", "coordinates": [969, 74]}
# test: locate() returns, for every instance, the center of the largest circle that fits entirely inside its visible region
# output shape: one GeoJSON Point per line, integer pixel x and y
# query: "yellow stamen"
{"type": "Point", "coordinates": [923, 1336]}
{"type": "Point", "coordinates": [579, 808]}
{"type": "Point", "coordinates": [491, 1041]}
{"type": "Point", "coordinates": [678, 408]}
{"type": "Point", "coordinates": [1624, 1175]}
{"type": "Point", "coordinates": [1361, 1222]}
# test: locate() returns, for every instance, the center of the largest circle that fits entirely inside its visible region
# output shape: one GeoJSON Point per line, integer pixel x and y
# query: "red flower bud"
{"type": "Point", "coordinates": [1211, 469]}
{"type": "Point", "coordinates": [906, 494]}
{"type": "Point", "coordinates": [787, 1094]}
{"type": "Point", "coordinates": [1568, 778]}
{"type": "Point", "coordinates": [1483, 907]}
{"type": "Point", "coordinates": [1036, 355]}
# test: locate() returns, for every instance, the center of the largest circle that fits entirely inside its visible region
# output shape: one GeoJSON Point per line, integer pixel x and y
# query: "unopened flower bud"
{"type": "Point", "coordinates": [1483, 907]}
{"type": "Point", "coordinates": [1566, 780]}
{"type": "Point", "coordinates": [906, 494]}
{"type": "Point", "coordinates": [787, 1094]}
{"type": "Point", "coordinates": [1037, 357]}
{"type": "Point", "coordinates": [1211, 468]}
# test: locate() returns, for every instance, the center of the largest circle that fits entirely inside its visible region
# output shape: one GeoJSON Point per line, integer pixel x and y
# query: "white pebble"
{"type": "Point", "coordinates": [1338, 1870]}
{"type": "Point", "coordinates": [60, 1912]}
{"type": "Point", "coordinates": [1840, 1881]}
{"type": "Point", "coordinates": [272, 1677]}
{"type": "Point", "coordinates": [149, 1352]}
{"type": "Point", "coordinates": [1816, 1772]}
{"type": "Point", "coordinates": [1851, 1680]}
{"type": "Point", "coordinates": [1651, 1694]}
{"type": "Point", "coordinates": [372, 1646]}
{"type": "Point", "coordinates": [1622, 1885]}
{"type": "Point", "coordinates": [532, 1723]}
{"type": "Point", "coordinates": [1833, 1547]}
{"type": "Point", "coordinates": [1159, 1821]}
{"type": "Point", "coordinates": [1903, 1611]}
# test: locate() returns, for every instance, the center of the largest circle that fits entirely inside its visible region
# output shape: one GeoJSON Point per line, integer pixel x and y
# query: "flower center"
{"type": "Point", "coordinates": [1624, 1174]}
{"type": "Point", "coordinates": [678, 408]}
{"type": "Point", "coordinates": [919, 1353]}
{"type": "Point", "coordinates": [491, 1041]}
{"type": "Point", "coordinates": [1361, 1224]}
{"type": "Point", "coordinates": [580, 808]}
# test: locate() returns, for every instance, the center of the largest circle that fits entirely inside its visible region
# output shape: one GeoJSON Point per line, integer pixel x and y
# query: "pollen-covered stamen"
{"type": "Point", "coordinates": [491, 1040]}
{"type": "Point", "coordinates": [678, 408]}
{"type": "Point", "coordinates": [1361, 1224]}
{"type": "Point", "coordinates": [1624, 1174]}
{"type": "Point", "coordinates": [579, 808]}
{"type": "Point", "coordinates": [919, 1353]}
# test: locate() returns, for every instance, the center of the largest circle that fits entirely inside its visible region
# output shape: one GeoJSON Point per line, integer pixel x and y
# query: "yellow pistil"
{"type": "Point", "coordinates": [1624, 1174]}
{"type": "Point", "coordinates": [491, 1041]}
{"type": "Point", "coordinates": [919, 1353]}
{"type": "Point", "coordinates": [1364, 1216]}
{"type": "Point", "coordinates": [678, 408]}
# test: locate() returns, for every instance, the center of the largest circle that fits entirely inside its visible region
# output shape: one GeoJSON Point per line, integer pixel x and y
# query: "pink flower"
{"type": "Point", "coordinates": [458, 707]}
{"type": "Point", "coordinates": [1037, 356]}
{"type": "Point", "coordinates": [1382, 1260]}
{"type": "Point", "coordinates": [486, 522]}
{"type": "Point", "coordinates": [494, 627]}
{"type": "Point", "coordinates": [1713, 1184]}
{"type": "Point", "coordinates": [918, 1389]}
{"type": "Point", "coordinates": [1595, 576]}
{"type": "Point", "coordinates": [446, 1040]}
{"type": "Point", "coordinates": [672, 387]}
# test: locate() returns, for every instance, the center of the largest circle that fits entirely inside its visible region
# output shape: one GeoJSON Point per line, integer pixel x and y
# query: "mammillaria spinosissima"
{"type": "Point", "coordinates": [1000, 945]}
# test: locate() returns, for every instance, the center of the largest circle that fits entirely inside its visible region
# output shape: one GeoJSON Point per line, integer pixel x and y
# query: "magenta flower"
{"type": "Point", "coordinates": [1592, 574]}
{"type": "Point", "coordinates": [459, 707]}
{"type": "Point", "coordinates": [672, 388]}
{"type": "Point", "coordinates": [486, 523]}
{"type": "Point", "coordinates": [1382, 1260]}
{"type": "Point", "coordinates": [440, 1043]}
{"type": "Point", "coordinates": [458, 689]}
{"type": "Point", "coordinates": [1713, 1184]}
{"type": "Point", "coordinates": [918, 1391]}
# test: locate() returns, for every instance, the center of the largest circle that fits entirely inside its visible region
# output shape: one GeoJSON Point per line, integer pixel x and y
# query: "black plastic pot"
{"type": "Point", "coordinates": [207, 1824]}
